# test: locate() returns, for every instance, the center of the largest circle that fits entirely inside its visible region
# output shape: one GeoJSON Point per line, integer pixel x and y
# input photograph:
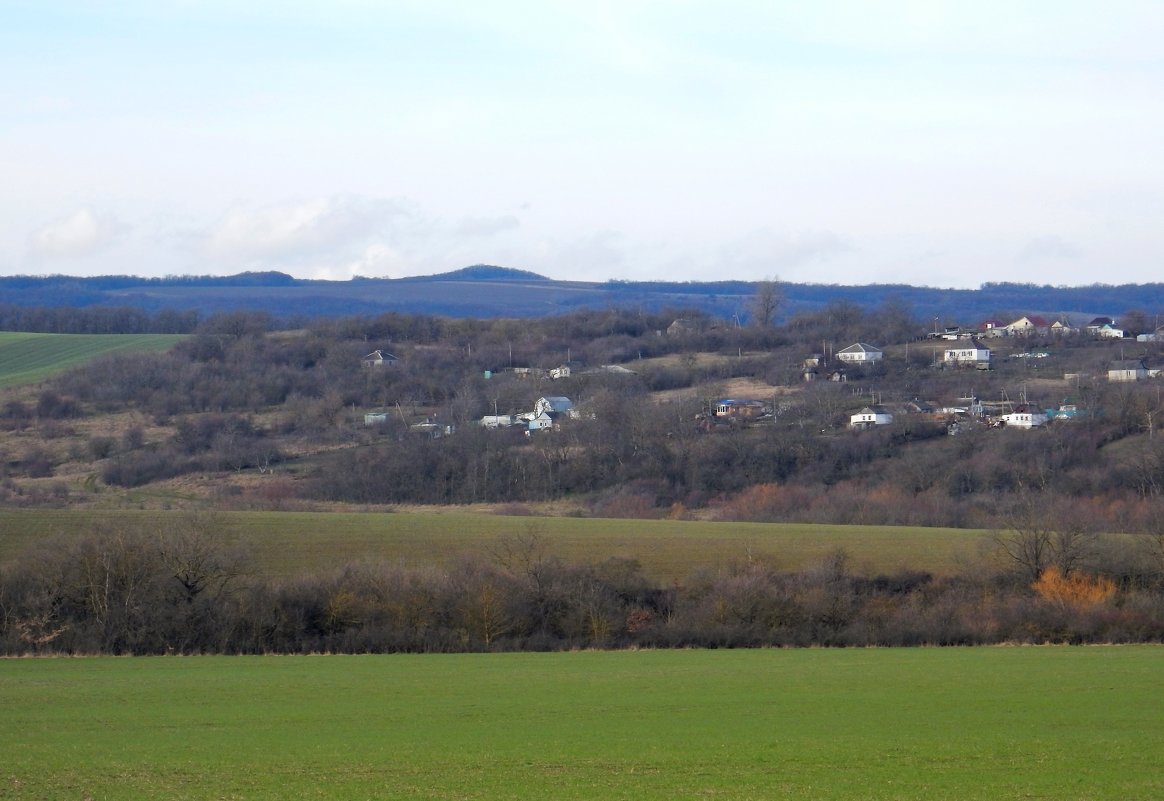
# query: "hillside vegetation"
{"type": "Point", "coordinates": [672, 419]}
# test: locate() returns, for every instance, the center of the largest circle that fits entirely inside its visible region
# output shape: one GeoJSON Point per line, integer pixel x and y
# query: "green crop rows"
{"type": "Point", "coordinates": [982, 723]}
{"type": "Point", "coordinates": [28, 358]}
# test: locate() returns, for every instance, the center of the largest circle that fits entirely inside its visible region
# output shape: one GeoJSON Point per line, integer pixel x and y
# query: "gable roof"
{"type": "Point", "coordinates": [378, 356]}
{"type": "Point", "coordinates": [558, 403]}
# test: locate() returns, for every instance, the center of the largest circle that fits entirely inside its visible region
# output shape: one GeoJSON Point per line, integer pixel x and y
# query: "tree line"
{"type": "Point", "coordinates": [186, 590]}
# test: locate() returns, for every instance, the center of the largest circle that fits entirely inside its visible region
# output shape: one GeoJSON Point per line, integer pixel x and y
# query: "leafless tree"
{"type": "Point", "coordinates": [766, 302]}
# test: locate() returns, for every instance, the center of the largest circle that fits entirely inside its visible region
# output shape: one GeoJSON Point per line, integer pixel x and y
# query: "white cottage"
{"type": "Point", "coordinates": [973, 353]}
{"type": "Point", "coordinates": [1127, 370]}
{"type": "Point", "coordinates": [870, 416]}
{"type": "Point", "coordinates": [860, 352]}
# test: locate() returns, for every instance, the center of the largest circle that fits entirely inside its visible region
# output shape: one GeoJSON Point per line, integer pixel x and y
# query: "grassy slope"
{"type": "Point", "coordinates": [984, 723]}
{"type": "Point", "coordinates": [296, 542]}
{"type": "Point", "coordinates": [27, 358]}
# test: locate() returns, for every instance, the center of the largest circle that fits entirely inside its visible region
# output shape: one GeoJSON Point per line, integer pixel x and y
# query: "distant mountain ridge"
{"type": "Point", "coordinates": [492, 291]}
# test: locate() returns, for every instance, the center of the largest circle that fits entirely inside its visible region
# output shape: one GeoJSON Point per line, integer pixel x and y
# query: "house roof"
{"type": "Point", "coordinates": [1100, 322]}
{"type": "Point", "coordinates": [379, 355]}
{"type": "Point", "coordinates": [1128, 364]}
{"type": "Point", "coordinates": [558, 403]}
{"type": "Point", "coordinates": [875, 409]}
{"type": "Point", "coordinates": [738, 402]}
{"type": "Point", "coordinates": [861, 347]}
{"type": "Point", "coordinates": [1034, 320]}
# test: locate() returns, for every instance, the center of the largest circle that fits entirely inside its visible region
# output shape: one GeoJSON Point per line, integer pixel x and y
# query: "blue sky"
{"type": "Point", "coordinates": [933, 143]}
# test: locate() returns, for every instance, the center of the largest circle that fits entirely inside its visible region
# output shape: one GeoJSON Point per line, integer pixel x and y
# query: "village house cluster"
{"type": "Point", "coordinates": [967, 349]}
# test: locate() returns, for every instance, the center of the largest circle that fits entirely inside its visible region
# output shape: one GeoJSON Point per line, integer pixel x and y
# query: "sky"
{"type": "Point", "coordinates": [932, 143]}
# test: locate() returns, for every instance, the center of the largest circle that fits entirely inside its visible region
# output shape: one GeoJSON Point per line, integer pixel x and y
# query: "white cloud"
{"type": "Point", "coordinates": [486, 226]}
{"type": "Point", "coordinates": [593, 257]}
{"type": "Point", "coordinates": [81, 234]}
{"type": "Point", "coordinates": [1049, 248]}
{"type": "Point", "coordinates": [764, 252]}
{"type": "Point", "coordinates": [326, 225]}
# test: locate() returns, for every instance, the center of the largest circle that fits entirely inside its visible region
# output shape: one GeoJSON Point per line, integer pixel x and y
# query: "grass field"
{"type": "Point", "coordinates": [289, 543]}
{"type": "Point", "coordinates": [986, 723]}
{"type": "Point", "coordinates": [28, 358]}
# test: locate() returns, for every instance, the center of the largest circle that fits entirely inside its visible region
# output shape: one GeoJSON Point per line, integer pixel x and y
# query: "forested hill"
{"type": "Point", "coordinates": [490, 291]}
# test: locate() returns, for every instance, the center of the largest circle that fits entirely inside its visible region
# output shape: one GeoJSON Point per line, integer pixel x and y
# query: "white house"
{"type": "Point", "coordinates": [860, 352]}
{"type": "Point", "coordinates": [497, 421]}
{"type": "Point", "coordinates": [1024, 419]}
{"type": "Point", "coordinates": [541, 422]}
{"type": "Point", "coordinates": [971, 354]}
{"type": "Point", "coordinates": [871, 416]}
{"type": "Point", "coordinates": [1127, 370]}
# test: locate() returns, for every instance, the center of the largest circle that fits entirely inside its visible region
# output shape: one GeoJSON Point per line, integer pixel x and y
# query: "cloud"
{"type": "Point", "coordinates": [322, 226]}
{"type": "Point", "coordinates": [1049, 248]}
{"type": "Point", "coordinates": [765, 253]}
{"type": "Point", "coordinates": [595, 256]}
{"type": "Point", "coordinates": [81, 234]}
{"type": "Point", "coordinates": [486, 226]}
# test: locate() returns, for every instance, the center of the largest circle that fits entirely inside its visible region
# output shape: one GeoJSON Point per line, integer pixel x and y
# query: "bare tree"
{"type": "Point", "coordinates": [766, 302]}
{"type": "Point", "coordinates": [1043, 531]}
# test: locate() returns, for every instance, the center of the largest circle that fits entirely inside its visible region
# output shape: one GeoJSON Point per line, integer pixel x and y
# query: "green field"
{"type": "Point", "coordinates": [289, 543]}
{"type": "Point", "coordinates": [985, 723]}
{"type": "Point", "coordinates": [28, 358]}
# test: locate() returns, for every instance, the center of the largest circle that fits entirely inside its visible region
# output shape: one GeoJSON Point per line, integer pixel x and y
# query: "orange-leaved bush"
{"type": "Point", "coordinates": [1075, 590]}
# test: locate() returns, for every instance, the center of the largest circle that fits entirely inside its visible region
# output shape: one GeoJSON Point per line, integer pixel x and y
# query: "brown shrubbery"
{"type": "Point", "coordinates": [185, 591]}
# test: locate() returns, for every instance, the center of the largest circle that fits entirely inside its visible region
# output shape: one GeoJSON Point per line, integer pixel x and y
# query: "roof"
{"type": "Point", "coordinates": [1100, 322]}
{"type": "Point", "coordinates": [558, 403]}
{"type": "Point", "coordinates": [875, 409]}
{"type": "Point", "coordinates": [1035, 320]}
{"type": "Point", "coordinates": [1128, 364]}
{"type": "Point", "coordinates": [379, 355]}
{"type": "Point", "coordinates": [861, 347]}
